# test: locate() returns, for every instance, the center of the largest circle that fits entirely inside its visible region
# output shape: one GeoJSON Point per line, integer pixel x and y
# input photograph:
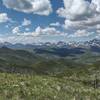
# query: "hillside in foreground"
{"type": "Point", "coordinates": [26, 87]}
{"type": "Point", "coordinates": [47, 74]}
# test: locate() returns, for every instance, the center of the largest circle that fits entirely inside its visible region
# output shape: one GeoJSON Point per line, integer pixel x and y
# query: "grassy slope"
{"type": "Point", "coordinates": [25, 87]}
{"type": "Point", "coordinates": [72, 84]}
{"type": "Point", "coordinates": [54, 79]}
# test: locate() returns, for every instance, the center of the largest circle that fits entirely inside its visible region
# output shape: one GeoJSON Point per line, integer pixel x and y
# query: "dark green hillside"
{"type": "Point", "coordinates": [30, 76]}
{"type": "Point", "coordinates": [24, 61]}
{"type": "Point", "coordinates": [16, 60]}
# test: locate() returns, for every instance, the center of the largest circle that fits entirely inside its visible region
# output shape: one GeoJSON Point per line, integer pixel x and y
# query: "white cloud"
{"type": "Point", "coordinates": [61, 12]}
{"type": "Point", "coordinates": [97, 4]}
{"type": "Point", "coordinates": [26, 22]}
{"type": "Point", "coordinates": [16, 30]}
{"type": "Point", "coordinates": [38, 35]}
{"type": "Point", "coordinates": [41, 7]}
{"type": "Point", "coordinates": [81, 16]}
{"type": "Point", "coordinates": [83, 24]}
{"type": "Point", "coordinates": [55, 24]}
{"type": "Point", "coordinates": [81, 33]}
{"type": "Point", "coordinates": [48, 31]}
{"type": "Point", "coordinates": [20, 39]}
{"type": "Point", "coordinates": [40, 31]}
{"type": "Point", "coordinates": [3, 17]}
{"type": "Point", "coordinates": [35, 36]}
{"type": "Point", "coordinates": [76, 9]}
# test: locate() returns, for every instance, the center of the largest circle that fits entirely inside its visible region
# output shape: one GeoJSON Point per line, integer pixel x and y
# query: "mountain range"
{"type": "Point", "coordinates": [94, 42]}
{"type": "Point", "coordinates": [59, 47]}
{"type": "Point", "coordinates": [47, 57]}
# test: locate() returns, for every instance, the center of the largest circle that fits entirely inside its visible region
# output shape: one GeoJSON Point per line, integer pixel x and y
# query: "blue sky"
{"type": "Point", "coordinates": [49, 20]}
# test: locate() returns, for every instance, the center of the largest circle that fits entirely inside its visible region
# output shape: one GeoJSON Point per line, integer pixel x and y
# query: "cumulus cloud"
{"type": "Point", "coordinates": [77, 9]}
{"type": "Point", "coordinates": [48, 31]}
{"type": "Point", "coordinates": [81, 15]}
{"type": "Point", "coordinates": [26, 22]}
{"type": "Point", "coordinates": [3, 17]}
{"type": "Point", "coordinates": [20, 39]}
{"type": "Point", "coordinates": [15, 30]}
{"type": "Point", "coordinates": [55, 24]}
{"type": "Point", "coordinates": [35, 36]}
{"type": "Point", "coordinates": [81, 33]}
{"type": "Point", "coordinates": [43, 32]}
{"type": "Point", "coordinates": [90, 23]}
{"type": "Point", "coordinates": [97, 4]}
{"type": "Point", "coordinates": [41, 7]}
{"type": "Point", "coordinates": [61, 12]}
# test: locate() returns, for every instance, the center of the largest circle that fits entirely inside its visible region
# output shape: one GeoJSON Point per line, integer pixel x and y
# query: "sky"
{"type": "Point", "coordinates": [28, 21]}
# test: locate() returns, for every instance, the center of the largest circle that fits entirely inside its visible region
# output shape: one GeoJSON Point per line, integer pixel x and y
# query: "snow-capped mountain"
{"type": "Point", "coordinates": [72, 44]}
